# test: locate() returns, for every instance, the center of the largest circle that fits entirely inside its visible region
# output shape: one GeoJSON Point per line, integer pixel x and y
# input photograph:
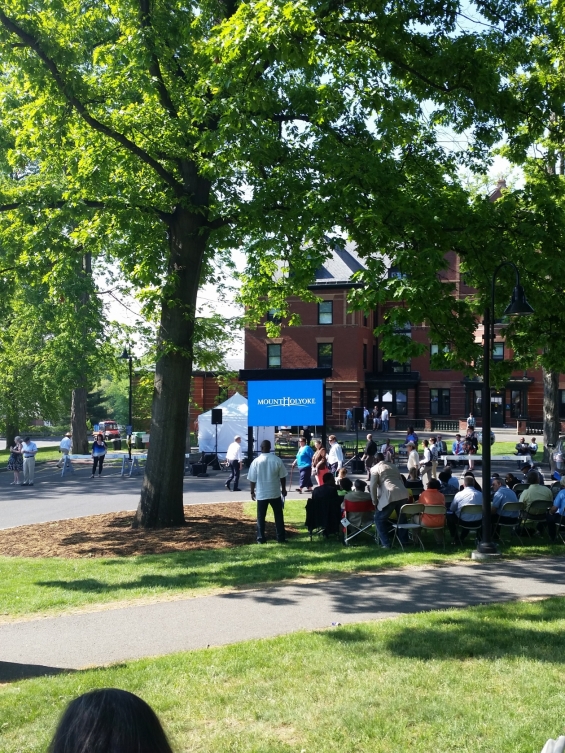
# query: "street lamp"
{"type": "Point", "coordinates": [518, 306]}
{"type": "Point", "coordinates": [125, 355]}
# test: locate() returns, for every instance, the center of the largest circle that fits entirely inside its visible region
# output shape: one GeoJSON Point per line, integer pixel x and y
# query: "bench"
{"type": "Point", "coordinates": [513, 458]}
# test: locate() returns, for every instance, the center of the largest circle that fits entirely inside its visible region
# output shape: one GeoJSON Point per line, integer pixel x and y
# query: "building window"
{"type": "Point", "coordinates": [329, 402]}
{"type": "Point", "coordinates": [325, 312]}
{"type": "Point", "coordinates": [400, 402]}
{"type": "Point", "coordinates": [561, 403]}
{"type": "Point", "coordinates": [395, 401]}
{"type": "Point", "coordinates": [498, 352]}
{"type": "Point", "coordinates": [437, 357]}
{"type": "Point", "coordinates": [274, 357]}
{"type": "Point", "coordinates": [365, 320]}
{"type": "Point", "coordinates": [439, 402]}
{"type": "Point", "coordinates": [325, 355]}
{"type": "Point", "coordinates": [273, 316]}
{"type": "Point", "coordinates": [364, 355]}
{"type": "Point", "coordinates": [476, 402]}
{"type": "Point", "coordinates": [516, 404]}
{"type": "Point", "coordinates": [395, 367]}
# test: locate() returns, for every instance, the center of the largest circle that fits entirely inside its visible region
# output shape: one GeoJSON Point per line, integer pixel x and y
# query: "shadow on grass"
{"type": "Point", "coordinates": [13, 671]}
{"type": "Point", "coordinates": [520, 629]}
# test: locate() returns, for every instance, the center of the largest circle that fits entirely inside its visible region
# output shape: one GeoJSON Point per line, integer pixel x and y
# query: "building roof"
{"type": "Point", "coordinates": [339, 267]}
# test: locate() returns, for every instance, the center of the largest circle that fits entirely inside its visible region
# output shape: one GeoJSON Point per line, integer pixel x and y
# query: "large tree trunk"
{"type": "Point", "coordinates": [550, 411]}
{"type": "Point", "coordinates": [78, 421]}
{"type": "Point", "coordinates": [11, 431]}
{"type": "Point", "coordinates": [161, 502]}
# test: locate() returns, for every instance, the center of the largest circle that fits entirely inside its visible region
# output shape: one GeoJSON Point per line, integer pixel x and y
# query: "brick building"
{"type": "Point", "coordinates": [414, 391]}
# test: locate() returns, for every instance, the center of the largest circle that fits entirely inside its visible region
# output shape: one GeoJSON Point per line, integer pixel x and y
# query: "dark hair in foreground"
{"type": "Point", "coordinates": [109, 721]}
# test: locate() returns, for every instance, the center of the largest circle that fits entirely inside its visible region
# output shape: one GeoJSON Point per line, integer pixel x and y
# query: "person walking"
{"type": "Point", "coordinates": [98, 455]}
{"type": "Point", "coordinates": [267, 479]}
{"type": "Point", "coordinates": [16, 461]}
{"type": "Point", "coordinates": [471, 421]}
{"type": "Point", "coordinates": [335, 457]}
{"type": "Point", "coordinates": [29, 450]}
{"type": "Point", "coordinates": [426, 463]}
{"type": "Point", "coordinates": [235, 460]}
{"type": "Point", "coordinates": [64, 448]}
{"type": "Point", "coordinates": [304, 462]}
{"type": "Point", "coordinates": [348, 420]}
{"type": "Point", "coordinates": [435, 456]}
{"type": "Point", "coordinates": [369, 455]}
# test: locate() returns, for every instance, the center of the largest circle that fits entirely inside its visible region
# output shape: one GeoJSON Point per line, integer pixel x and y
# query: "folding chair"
{"type": "Point", "coordinates": [536, 512]}
{"type": "Point", "coordinates": [408, 511]}
{"type": "Point", "coordinates": [448, 500]}
{"type": "Point", "coordinates": [560, 529]}
{"type": "Point", "coordinates": [358, 517]}
{"type": "Point", "coordinates": [438, 511]}
{"type": "Point", "coordinates": [519, 488]}
{"type": "Point", "coordinates": [504, 510]}
{"type": "Point", "coordinates": [470, 525]}
{"type": "Point", "coordinates": [323, 517]}
{"type": "Point", "coordinates": [416, 491]}
{"type": "Point", "coordinates": [556, 488]}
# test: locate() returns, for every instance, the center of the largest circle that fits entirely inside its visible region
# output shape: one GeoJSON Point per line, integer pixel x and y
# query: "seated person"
{"type": "Point", "coordinates": [511, 480]}
{"type": "Point", "coordinates": [342, 473]}
{"type": "Point", "coordinates": [467, 496]}
{"type": "Point", "coordinates": [528, 469]}
{"type": "Point", "coordinates": [323, 510]}
{"type": "Point", "coordinates": [501, 495]}
{"type": "Point", "coordinates": [557, 511]}
{"type": "Point", "coordinates": [413, 480]}
{"type": "Point", "coordinates": [458, 447]}
{"type": "Point", "coordinates": [344, 485]}
{"type": "Point", "coordinates": [361, 499]}
{"type": "Point", "coordinates": [470, 474]}
{"type": "Point", "coordinates": [535, 492]}
{"type": "Point", "coordinates": [411, 436]}
{"type": "Point", "coordinates": [441, 446]}
{"type": "Point", "coordinates": [533, 447]}
{"type": "Point", "coordinates": [359, 493]}
{"type": "Point", "coordinates": [388, 451]}
{"type": "Point", "coordinates": [433, 496]}
{"type": "Point", "coordinates": [448, 484]}
{"type": "Point", "coordinates": [522, 448]}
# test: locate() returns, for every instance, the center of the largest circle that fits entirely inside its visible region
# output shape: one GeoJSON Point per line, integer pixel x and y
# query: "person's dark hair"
{"type": "Point", "coordinates": [433, 483]}
{"type": "Point", "coordinates": [109, 721]}
{"type": "Point", "coordinates": [265, 446]}
{"type": "Point", "coordinates": [379, 457]}
{"type": "Point", "coordinates": [329, 478]}
{"type": "Point", "coordinates": [426, 443]}
{"type": "Point", "coordinates": [410, 430]}
{"type": "Point", "coordinates": [469, 473]}
{"type": "Point", "coordinates": [26, 439]}
{"type": "Point", "coordinates": [444, 476]}
{"type": "Point", "coordinates": [532, 477]}
{"type": "Point", "coordinates": [360, 485]}
{"type": "Point", "coordinates": [345, 484]}
{"type": "Point", "coordinates": [511, 480]}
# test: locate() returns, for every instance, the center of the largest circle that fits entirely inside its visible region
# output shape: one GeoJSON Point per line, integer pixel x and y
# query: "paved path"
{"type": "Point", "coordinates": [113, 635]}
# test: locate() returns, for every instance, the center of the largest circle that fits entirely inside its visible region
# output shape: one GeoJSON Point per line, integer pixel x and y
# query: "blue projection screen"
{"type": "Point", "coordinates": [286, 403]}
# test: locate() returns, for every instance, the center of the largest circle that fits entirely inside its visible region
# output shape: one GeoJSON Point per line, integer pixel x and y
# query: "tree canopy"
{"type": "Point", "coordinates": [165, 134]}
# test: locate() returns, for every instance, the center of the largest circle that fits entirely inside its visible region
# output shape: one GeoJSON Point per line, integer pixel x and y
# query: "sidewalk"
{"type": "Point", "coordinates": [82, 640]}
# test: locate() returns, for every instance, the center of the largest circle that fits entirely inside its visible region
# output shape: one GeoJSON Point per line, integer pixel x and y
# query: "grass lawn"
{"type": "Point", "coordinates": [482, 679]}
{"type": "Point", "coordinates": [43, 453]}
{"type": "Point", "coordinates": [509, 448]}
{"type": "Point", "coordinates": [37, 585]}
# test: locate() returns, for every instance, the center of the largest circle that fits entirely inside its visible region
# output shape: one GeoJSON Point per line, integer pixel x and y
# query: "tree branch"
{"type": "Point", "coordinates": [34, 44]}
{"type": "Point", "coordinates": [90, 203]}
{"type": "Point", "coordinates": [154, 66]}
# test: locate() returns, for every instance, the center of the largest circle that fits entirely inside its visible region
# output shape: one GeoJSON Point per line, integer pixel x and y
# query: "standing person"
{"type": "Point", "coordinates": [369, 455]}
{"type": "Point", "coordinates": [16, 461]}
{"type": "Point", "coordinates": [29, 450]}
{"type": "Point", "coordinates": [426, 463]}
{"type": "Point", "coordinates": [413, 460]}
{"type": "Point", "coordinates": [64, 448]}
{"type": "Point", "coordinates": [471, 421]}
{"type": "Point", "coordinates": [335, 457]}
{"type": "Point", "coordinates": [411, 436]}
{"type": "Point", "coordinates": [267, 479]}
{"type": "Point", "coordinates": [384, 419]}
{"type": "Point", "coordinates": [98, 455]}
{"type": "Point", "coordinates": [304, 462]}
{"type": "Point", "coordinates": [307, 434]}
{"type": "Point", "coordinates": [348, 420]}
{"type": "Point", "coordinates": [366, 418]}
{"type": "Point", "coordinates": [320, 457]}
{"type": "Point", "coordinates": [471, 445]}
{"type": "Point", "coordinates": [388, 494]}
{"type": "Point", "coordinates": [376, 418]}
{"type": "Point", "coordinates": [435, 456]}
{"type": "Point", "coordinates": [235, 460]}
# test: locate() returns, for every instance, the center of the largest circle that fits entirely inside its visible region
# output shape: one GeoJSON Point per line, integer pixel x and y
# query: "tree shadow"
{"type": "Point", "coordinates": [519, 629]}
{"type": "Point", "coordinates": [13, 671]}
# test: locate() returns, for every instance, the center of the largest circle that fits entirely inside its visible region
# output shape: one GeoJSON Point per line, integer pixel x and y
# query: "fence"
{"type": "Point", "coordinates": [445, 425]}
{"type": "Point", "coordinates": [534, 427]}
{"type": "Point", "coordinates": [403, 424]}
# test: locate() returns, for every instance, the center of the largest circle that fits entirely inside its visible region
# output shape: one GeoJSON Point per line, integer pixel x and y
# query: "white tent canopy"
{"type": "Point", "coordinates": [234, 422]}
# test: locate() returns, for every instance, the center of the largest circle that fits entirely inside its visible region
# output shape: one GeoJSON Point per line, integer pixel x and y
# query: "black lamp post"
{"type": "Point", "coordinates": [128, 356]}
{"type": "Point", "coordinates": [518, 306]}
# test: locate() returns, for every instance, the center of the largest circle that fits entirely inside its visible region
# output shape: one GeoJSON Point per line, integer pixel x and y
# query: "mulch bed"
{"type": "Point", "coordinates": [111, 535]}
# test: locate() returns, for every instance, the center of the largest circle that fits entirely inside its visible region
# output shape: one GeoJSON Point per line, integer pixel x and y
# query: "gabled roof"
{"type": "Point", "coordinates": [338, 268]}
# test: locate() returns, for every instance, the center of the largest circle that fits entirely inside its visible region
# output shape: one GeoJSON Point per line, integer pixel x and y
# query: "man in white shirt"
{"type": "Point", "coordinates": [267, 479]}
{"type": "Point", "coordinates": [235, 459]}
{"type": "Point", "coordinates": [413, 460]}
{"type": "Point", "coordinates": [335, 455]}
{"type": "Point", "coordinates": [468, 496]}
{"type": "Point", "coordinates": [384, 419]}
{"type": "Point", "coordinates": [29, 450]}
{"type": "Point", "coordinates": [64, 448]}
